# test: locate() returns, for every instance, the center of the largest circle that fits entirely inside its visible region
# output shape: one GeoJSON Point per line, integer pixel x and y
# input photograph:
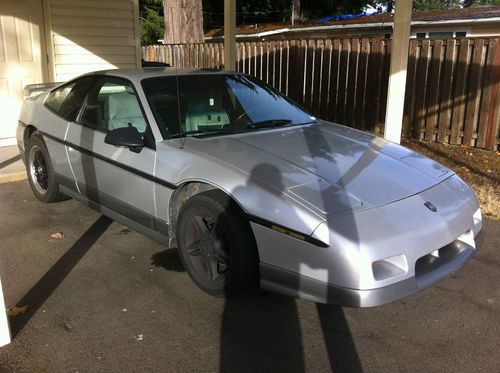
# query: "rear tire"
{"type": "Point", "coordinates": [41, 175]}
{"type": "Point", "coordinates": [216, 245]}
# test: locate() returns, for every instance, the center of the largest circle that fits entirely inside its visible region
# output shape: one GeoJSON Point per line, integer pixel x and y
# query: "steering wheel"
{"type": "Point", "coordinates": [247, 114]}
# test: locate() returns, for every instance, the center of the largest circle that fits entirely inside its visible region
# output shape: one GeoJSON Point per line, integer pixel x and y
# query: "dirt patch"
{"type": "Point", "coordinates": [478, 168]}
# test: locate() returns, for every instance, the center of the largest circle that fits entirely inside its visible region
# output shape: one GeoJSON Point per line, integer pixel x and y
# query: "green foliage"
{"type": "Point", "coordinates": [435, 4]}
{"type": "Point", "coordinates": [151, 21]}
{"type": "Point", "coordinates": [476, 3]}
{"type": "Point", "coordinates": [264, 11]}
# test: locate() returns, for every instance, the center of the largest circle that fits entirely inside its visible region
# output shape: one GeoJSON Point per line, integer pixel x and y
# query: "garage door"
{"type": "Point", "coordinates": [21, 50]}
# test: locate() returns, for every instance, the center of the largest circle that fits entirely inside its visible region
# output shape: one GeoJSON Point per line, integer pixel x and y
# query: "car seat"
{"type": "Point", "coordinates": [121, 110]}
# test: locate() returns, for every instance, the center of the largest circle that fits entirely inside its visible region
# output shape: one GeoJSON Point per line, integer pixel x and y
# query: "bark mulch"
{"type": "Point", "coordinates": [478, 168]}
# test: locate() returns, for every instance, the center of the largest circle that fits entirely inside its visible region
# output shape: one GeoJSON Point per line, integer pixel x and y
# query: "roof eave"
{"type": "Point", "coordinates": [354, 26]}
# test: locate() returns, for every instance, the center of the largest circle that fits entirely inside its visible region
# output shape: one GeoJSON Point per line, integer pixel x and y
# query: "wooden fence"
{"type": "Point", "coordinates": [452, 92]}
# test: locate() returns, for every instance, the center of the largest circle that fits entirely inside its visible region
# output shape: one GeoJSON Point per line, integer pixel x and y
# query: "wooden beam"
{"type": "Point", "coordinates": [397, 77]}
{"type": "Point", "coordinates": [229, 35]}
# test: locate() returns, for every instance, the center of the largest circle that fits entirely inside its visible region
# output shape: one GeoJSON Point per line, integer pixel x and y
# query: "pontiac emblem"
{"type": "Point", "coordinates": [430, 206]}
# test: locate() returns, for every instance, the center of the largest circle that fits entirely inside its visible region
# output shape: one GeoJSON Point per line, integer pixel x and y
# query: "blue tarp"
{"type": "Point", "coordinates": [344, 16]}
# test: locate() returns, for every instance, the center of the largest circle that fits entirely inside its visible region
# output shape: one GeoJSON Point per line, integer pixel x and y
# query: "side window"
{"type": "Point", "coordinates": [164, 103]}
{"type": "Point", "coordinates": [67, 100]}
{"type": "Point", "coordinates": [113, 104]}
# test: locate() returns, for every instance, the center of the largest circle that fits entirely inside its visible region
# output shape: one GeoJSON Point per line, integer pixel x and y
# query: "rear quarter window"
{"type": "Point", "coordinates": [66, 101]}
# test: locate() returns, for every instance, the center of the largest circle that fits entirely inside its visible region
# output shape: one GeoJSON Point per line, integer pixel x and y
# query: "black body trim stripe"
{"type": "Point", "coordinates": [111, 161]}
{"type": "Point", "coordinates": [270, 224]}
{"type": "Point", "coordinates": [252, 218]}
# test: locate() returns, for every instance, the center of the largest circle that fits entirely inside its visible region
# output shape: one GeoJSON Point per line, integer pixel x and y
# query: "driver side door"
{"type": "Point", "coordinates": [111, 176]}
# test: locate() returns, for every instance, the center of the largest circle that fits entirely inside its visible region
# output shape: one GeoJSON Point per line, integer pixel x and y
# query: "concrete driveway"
{"type": "Point", "coordinates": [105, 298]}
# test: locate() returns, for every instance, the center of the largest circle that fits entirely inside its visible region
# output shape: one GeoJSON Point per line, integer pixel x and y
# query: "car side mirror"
{"type": "Point", "coordinates": [126, 136]}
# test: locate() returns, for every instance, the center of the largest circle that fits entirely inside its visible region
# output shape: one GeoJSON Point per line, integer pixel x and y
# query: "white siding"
{"type": "Point", "coordinates": [89, 35]}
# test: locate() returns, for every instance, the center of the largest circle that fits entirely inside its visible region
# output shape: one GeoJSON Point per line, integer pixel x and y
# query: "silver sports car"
{"type": "Point", "coordinates": [249, 186]}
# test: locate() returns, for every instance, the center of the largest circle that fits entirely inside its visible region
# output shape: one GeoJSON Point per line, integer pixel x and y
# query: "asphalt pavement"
{"type": "Point", "coordinates": [105, 298]}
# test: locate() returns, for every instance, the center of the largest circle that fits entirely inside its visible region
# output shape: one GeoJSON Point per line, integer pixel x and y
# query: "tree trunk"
{"type": "Point", "coordinates": [183, 21]}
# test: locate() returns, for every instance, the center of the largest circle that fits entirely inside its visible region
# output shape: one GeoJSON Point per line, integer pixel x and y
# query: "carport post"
{"type": "Point", "coordinates": [229, 35]}
{"type": "Point", "coordinates": [397, 77]}
{"type": "Point", "coordinates": [4, 324]}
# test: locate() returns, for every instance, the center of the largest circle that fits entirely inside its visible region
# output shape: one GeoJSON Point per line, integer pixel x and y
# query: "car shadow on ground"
{"type": "Point", "coordinates": [169, 260]}
{"type": "Point", "coordinates": [44, 288]}
{"type": "Point", "coordinates": [261, 331]}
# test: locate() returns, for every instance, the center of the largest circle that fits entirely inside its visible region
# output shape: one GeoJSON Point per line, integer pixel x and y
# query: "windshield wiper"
{"type": "Point", "coordinates": [270, 123]}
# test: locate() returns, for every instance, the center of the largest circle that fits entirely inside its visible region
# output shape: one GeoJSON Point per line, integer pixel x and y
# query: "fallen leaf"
{"type": "Point", "coordinates": [57, 235]}
{"type": "Point", "coordinates": [14, 311]}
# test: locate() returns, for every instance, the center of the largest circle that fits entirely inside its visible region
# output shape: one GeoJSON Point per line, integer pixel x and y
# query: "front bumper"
{"type": "Point", "coordinates": [430, 270]}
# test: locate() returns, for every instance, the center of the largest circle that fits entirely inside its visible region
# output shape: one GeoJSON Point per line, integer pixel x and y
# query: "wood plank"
{"type": "Point", "coordinates": [71, 32]}
{"type": "Point", "coordinates": [334, 79]}
{"type": "Point", "coordinates": [84, 41]}
{"type": "Point", "coordinates": [352, 77]}
{"type": "Point", "coordinates": [108, 4]}
{"type": "Point", "coordinates": [373, 83]}
{"type": "Point", "coordinates": [293, 70]}
{"type": "Point", "coordinates": [459, 92]}
{"type": "Point", "coordinates": [221, 55]}
{"type": "Point", "coordinates": [361, 84]}
{"type": "Point", "coordinates": [94, 21]}
{"type": "Point", "coordinates": [93, 50]}
{"type": "Point", "coordinates": [301, 71]}
{"type": "Point", "coordinates": [493, 125]}
{"type": "Point", "coordinates": [317, 89]}
{"type": "Point", "coordinates": [249, 56]}
{"type": "Point", "coordinates": [81, 58]}
{"type": "Point", "coordinates": [309, 51]}
{"type": "Point", "coordinates": [473, 92]}
{"type": "Point", "coordinates": [342, 83]}
{"type": "Point", "coordinates": [285, 52]}
{"type": "Point", "coordinates": [265, 62]}
{"type": "Point", "coordinates": [284, 56]}
{"type": "Point", "coordinates": [409, 104]}
{"type": "Point", "coordinates": [253, 60]}
{"type": "Point", "coordinates": [239, 57]}
{"type": "Point", "coordinates": [488, 82]}
{"type": "Point", "coordinates": [384, 85]}
{"type": "Point", "coordinates": [420, 92]}
{"type": "Point", "coordinates": [271, 67]}
{"type": "Point", "coordinates": [446, 104]}
{"type": "Point", "coordinates": [433, 90]}
{"type": "Point", "coordinates": [60, 10]}
{"type": "Point", "coordinates": [325, 79]}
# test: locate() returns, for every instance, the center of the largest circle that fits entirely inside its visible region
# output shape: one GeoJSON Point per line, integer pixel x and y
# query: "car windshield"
{"type": "Point", "coordinates": [218, 104]}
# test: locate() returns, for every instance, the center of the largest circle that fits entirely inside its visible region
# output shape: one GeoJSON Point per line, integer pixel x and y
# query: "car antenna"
{"type": "Point", "coordinates": [177, 85]}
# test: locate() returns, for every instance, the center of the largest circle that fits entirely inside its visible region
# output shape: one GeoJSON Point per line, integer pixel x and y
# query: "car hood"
{"type": "Point", "coordinates": [327, 167]}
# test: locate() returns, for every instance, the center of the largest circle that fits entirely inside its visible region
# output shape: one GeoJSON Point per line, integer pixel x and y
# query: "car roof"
{"type": "Point", "coordinates": [151, 72]}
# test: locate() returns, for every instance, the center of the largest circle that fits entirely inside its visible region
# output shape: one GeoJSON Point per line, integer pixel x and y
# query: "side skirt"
{"type": "Point", "coordinates": [151, 233]}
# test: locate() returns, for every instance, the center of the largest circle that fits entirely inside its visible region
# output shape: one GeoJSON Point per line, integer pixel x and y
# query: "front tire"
{"type": "Point", "coordinates": [216, 245]}
{"type": "Point", "coordinates": [41, 175]}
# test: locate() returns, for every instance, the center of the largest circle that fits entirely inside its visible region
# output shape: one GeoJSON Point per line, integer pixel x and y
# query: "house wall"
{"type": "Point", "coordinates": [486, 29]}
{"type": "Point", "coordinates": [84, 36]}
